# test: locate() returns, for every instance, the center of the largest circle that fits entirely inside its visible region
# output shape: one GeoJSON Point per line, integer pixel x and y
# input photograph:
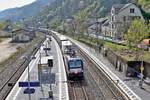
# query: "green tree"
{"type": "Point", "coordinates": [81, 22]}
{"type": "Point", "coordinates": [4, 23]}
{"type": "Point", "coordinates": [136, 33]}
{"type": "Point", "coordinates": [54, 23]}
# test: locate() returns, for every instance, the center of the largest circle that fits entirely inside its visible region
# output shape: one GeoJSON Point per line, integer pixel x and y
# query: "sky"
{"type": "Point", "coordinates": [5, 4]}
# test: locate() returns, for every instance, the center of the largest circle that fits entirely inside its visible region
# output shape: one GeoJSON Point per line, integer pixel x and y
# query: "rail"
{"type": "Point", "coordinates": [5, 89]}
{"type": "Point", "coordinates": [79, 92]}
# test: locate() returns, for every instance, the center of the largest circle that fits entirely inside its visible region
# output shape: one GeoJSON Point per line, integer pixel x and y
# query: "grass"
{"type": "Point", "coordinates": [147, 56]}
{"type": "Point", "coordinates": [115, 47]}
{"type": "Point", "coordinates": [2, 39]}
{"type": "Point", "coordinates": [145, 4]}
{"type": "Point", "coordinates": [5, 34]}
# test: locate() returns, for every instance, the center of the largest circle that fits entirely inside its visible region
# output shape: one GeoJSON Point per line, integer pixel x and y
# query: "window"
{"type": "Point", "coordinates": [139, 17]}
{"type": "Point", "coordinates": [112, 11]}
{"type": "Point", "coordinates": [75, 64]}
{"type": "Point", "coordinates": [113, 18]}
{"type": "Point", "coordinates": [132, 10]}
{"type": "Point", "coordinates": [113, 26]}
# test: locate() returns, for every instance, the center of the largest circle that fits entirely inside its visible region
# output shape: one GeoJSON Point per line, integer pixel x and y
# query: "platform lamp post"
{"type": "Point", "coordinates": [40, 73]}
{"type": "Point", "coordinates": [97, 32]}
{"type": "Point", "coordinates": [142, 69]}
{"type": "Point", "coordinates": [29, 81]}
{"type": "Point", "coordinates": [27, 59]}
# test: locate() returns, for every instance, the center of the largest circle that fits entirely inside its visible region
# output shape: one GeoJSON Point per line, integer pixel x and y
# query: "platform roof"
{"type": "Point", "coordinates": [44, 59]}
{"type": "Point", "coordinates": [63, 38]}
{"type": "Point", "coordinates": [66, 43]}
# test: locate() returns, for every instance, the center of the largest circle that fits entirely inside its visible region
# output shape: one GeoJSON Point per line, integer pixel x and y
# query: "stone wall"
{"type": "Point", "coordinates": [129, 68]}
{"type": "Point", "coordinates": [119, 63]}
{"type": "Point", "coordinates": [147, 69]}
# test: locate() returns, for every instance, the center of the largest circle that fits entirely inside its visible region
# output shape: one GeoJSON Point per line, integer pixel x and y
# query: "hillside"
{"type": "Point", "coordinates": [63, 9]}
{"type": "Point", "coordinates": [145, 4]}
{"type": "Point", "coordinates": [52, 11]}
{"type": "Point", "coordinates": [25, 11]}
{"type": "Point", "coordinates": [60, 10]}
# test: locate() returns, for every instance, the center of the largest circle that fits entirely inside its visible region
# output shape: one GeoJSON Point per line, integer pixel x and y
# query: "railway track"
{"type": "Point", "coordinates": [106, 88]}
{"type": "Point", "coordinates": [10, 75]}
{"type": "Point", "coordinates": [78, 91]}
{"type": "Point", "coordinates": [5, 89]}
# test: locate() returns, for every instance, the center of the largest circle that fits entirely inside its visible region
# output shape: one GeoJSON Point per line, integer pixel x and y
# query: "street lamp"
{"type": "Point", "coordinates": [28, 59]}
{"type": "Point", "coordinates": [142, 69]}
{"type": "Point", "coordinates": [39, 68]}
{"type": "Point", "coordinates": [39, 24]}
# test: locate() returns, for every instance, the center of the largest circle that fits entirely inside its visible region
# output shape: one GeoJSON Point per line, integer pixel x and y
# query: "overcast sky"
{"type": "Point", "coordinates": [5, 4]}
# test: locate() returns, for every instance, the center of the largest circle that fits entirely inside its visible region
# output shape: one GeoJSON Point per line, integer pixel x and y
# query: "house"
{"type": "Point", "coordinates": [22, 35]}
{"type": "Point", "coordinates": [95, 26]}
{"type": "Point", "coordinates": [121, 17]}
{"type": "Point", "coordinates": [105, 28]}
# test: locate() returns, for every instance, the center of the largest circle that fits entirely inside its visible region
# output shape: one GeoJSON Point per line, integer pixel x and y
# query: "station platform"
{"type": "Point", "coordinates": [51, 79]}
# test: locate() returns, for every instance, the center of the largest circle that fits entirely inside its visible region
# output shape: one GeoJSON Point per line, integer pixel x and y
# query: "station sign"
{"type": "Point", "coordinates": [48, 49]}
{"type": "Point", "coordinates": [31, 84]}
{"type": "Point", "coordinates": [29, 91]}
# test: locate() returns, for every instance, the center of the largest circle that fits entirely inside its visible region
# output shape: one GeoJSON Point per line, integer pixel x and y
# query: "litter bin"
{"type": "Point", "coordinates": [50, 94]}
{"type": "Point", "coordinates": [50, 62]}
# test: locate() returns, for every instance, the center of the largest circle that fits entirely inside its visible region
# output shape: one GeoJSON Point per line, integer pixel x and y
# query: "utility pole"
{"type": "Point", "coordinates": [97, 29]}
{"type": "Point", "coordinates": [142, 69]}
{"type": "Point", "coordinates": [40, 69]}
{"type": "Point", "coordinates": [29, 82]}
{"type": "Point", "coordinates": [28, 89]}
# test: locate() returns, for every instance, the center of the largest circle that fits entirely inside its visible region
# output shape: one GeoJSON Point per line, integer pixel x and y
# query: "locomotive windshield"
{"type": "Point", "coordinates": [75, 64]}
